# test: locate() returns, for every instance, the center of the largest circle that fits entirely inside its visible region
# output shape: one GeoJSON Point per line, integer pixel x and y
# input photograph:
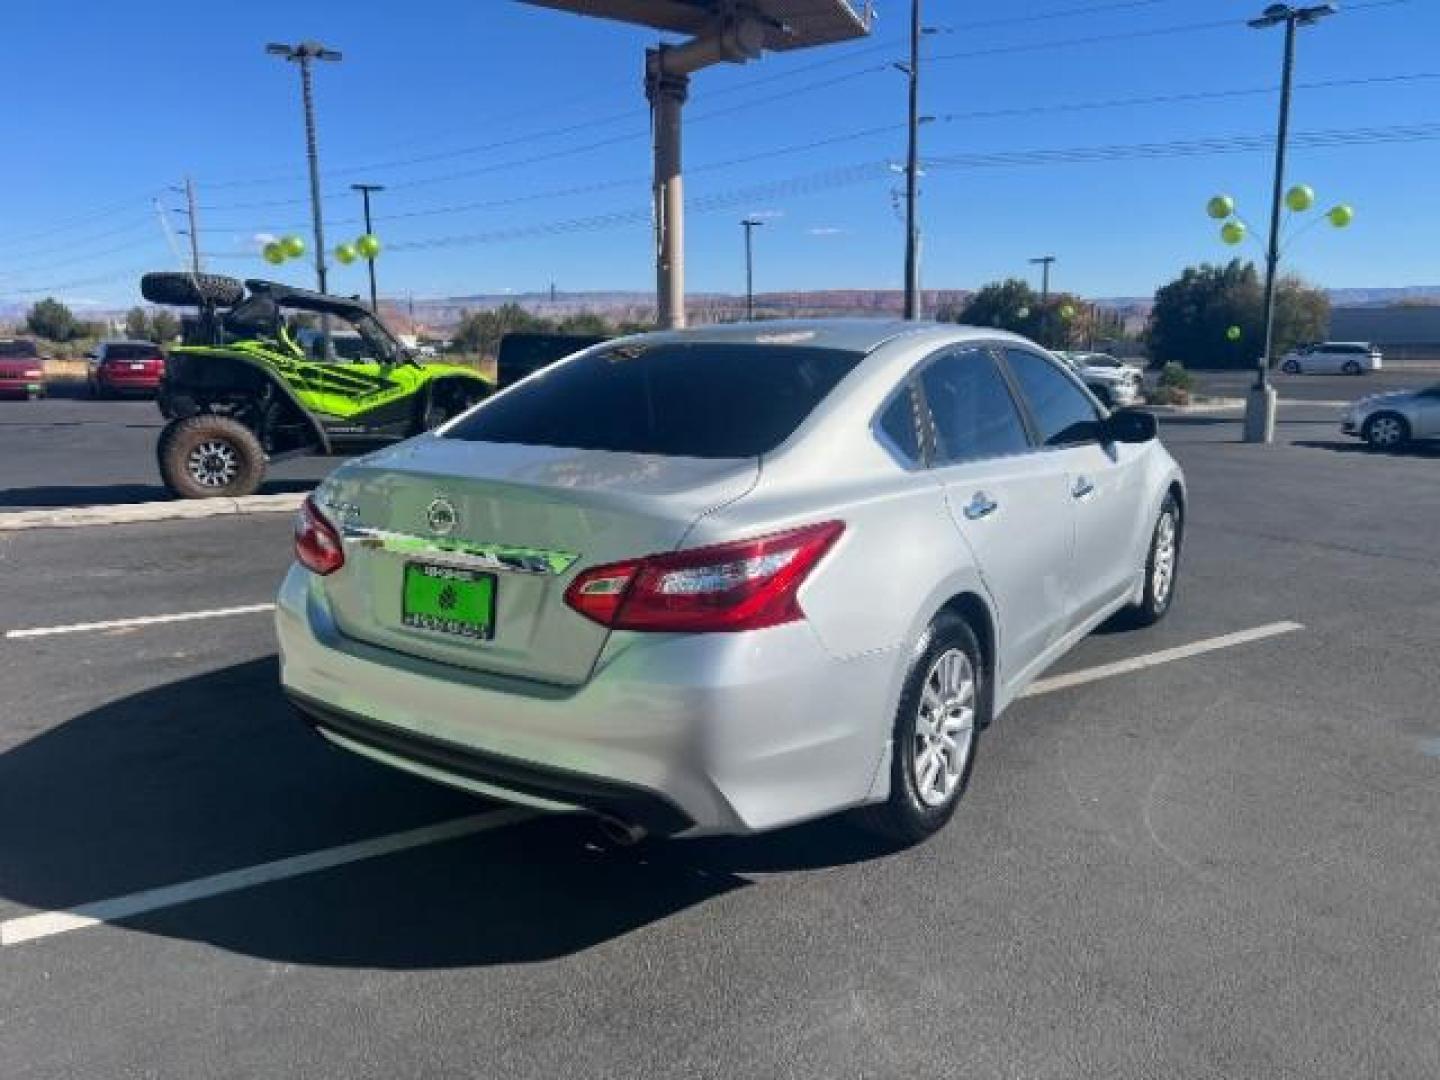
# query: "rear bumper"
{"type": "Point", "coordinates": [685, 734]}
{"type": "Point", "coordinates": [126, 383]}
{"type": "Point", "coordinates": [13, 386]}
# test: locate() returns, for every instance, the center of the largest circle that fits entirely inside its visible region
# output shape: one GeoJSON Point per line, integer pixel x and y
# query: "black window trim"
{"type": "Point", "coordinates": [1038, 444]}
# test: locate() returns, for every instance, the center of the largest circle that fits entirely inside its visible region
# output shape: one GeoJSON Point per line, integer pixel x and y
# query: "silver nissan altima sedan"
{"type": "Point", "coordinates": [728, 579]}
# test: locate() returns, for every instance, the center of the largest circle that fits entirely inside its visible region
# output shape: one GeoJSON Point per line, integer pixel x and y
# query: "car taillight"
{"type": "Point", "coordinates": [317, 544]}
{"type": "Point", "coordinates": [743, 585]}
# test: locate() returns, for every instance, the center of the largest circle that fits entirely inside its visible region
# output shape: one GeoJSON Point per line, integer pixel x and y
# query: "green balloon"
{"type": "Point", "coordinates": [293, 247]}
{"type": "Point", "coordinates": [1220, 207]}
{"type": "Point", "coordinates": [1232, 232]}
{"type": "Point", "coordinates": [368, 245]}
{"type": "Point", "coordinates": [345, 254]}
{"type": "Point", "coordinates": [1341, 216]}
{"type": "Point", "coordinates": [1023, 313]}
{"type": "Point", "coordinates": [274, 253]}
{"type": "Point", "coordinates": [1300, 198]}
{"type": "Point", "coordinates": [1067, 312]}
{"type": "Point", "coordinates": [1233, 333]}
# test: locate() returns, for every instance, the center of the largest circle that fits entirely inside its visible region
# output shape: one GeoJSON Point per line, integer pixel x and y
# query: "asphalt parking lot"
{"type": "Point", "coordinates": [1202, 856]}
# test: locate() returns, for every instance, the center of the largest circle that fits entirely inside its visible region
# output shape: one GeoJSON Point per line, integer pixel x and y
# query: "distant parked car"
{"type": "Point", "coordinates": [1332, 358]}
{"type": "Point", "coordinates": [1390, 421]}
{"type": "Point", "coordinates": [125, 367]}
{"type": "Point", "coordinates": [22, 369]}
{"type": "Point", "coordinates": [1116, 383]}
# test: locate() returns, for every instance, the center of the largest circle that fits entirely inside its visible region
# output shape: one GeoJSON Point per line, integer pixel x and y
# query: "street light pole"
{"type": "Point", "coordinates": [1044, 262]}
{"type": "Point", "coordinates": [365, 190]}
{"type": "Point", "coordinates": [912, 173]}
{"type": "Point", "coordinates": [751, 224]}
{"type": "Point", "coordinates": [304, 54]}
{"type": "Point", "coordinates": [1260, 405]}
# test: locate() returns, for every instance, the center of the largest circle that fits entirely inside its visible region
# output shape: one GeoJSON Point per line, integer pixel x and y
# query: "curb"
{"type": "Point", "coordinates": [1200, 405]}
{"type": "Point", "coordinates": [75, 517]}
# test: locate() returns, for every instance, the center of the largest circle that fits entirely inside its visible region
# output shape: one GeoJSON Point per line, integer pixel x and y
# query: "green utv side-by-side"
{"type": "Point", "coordinates": [261, 376]}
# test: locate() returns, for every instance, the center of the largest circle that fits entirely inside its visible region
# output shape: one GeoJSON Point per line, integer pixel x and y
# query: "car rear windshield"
{"type": "Point", "coordinates": [23, 350]}
{"type": "Point", "coordinates": [131, 352]}
{"type": "Point", "coordinates": [704, 400]}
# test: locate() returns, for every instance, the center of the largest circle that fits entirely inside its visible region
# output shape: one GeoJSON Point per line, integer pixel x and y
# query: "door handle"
{"type": "Point", "coordinates": [980, 506]}
{"type": "Point", "coordinates": [1082, 488]}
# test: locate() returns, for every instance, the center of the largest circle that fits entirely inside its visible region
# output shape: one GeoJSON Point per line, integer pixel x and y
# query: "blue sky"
{"type": "Point", "coordinates": [509, 135]}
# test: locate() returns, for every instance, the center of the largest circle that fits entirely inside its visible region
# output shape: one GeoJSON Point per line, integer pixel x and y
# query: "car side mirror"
{"type": "Point", "coordinates": [1130, 426]}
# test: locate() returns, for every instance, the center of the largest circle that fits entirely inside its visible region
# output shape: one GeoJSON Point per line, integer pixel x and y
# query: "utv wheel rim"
{"type": "Point", "coordinates": [1162, 576]}
{"type": "Point", "coordinates": [1385, 431]}
{"type": "Point", "coordinates": [944, 727]}
{"type": "Point", "coordinates": [213, 464]}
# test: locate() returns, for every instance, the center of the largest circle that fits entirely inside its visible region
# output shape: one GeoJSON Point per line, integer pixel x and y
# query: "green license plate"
{"type": "Point", "coordinates": [449, 600]}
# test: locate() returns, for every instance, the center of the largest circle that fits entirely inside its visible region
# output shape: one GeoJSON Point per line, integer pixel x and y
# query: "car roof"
{"type": "Point", "coordinates": [852, 335]}
{"type": "Point", "coordinates": [307, 299]}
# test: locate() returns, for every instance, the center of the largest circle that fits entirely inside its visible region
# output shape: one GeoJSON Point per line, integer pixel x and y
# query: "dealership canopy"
{"type": "Point", "coordinates": [720, 31]}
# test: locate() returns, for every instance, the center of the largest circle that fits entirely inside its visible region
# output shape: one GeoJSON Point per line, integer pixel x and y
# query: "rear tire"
{"type": "Point", "coordinates": [1291, 367]}
{"type": "Point", "coordinates": [208, 456]}
{"type": "Point", "coordinates": [1162, 566]}
{"type": "Point", "coordinates": [945, 703]}
{"type": "Point", "coordinates": [1351, 368]}
{"type": "Point", "coordinates": [1386, 431]}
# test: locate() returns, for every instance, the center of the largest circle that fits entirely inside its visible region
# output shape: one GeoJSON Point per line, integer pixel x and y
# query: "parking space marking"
{"type": "Point", "coordinates": [143, 620]}
{"type": "Point", "coordinates": [1164, 656]}
{"type": "Point", "coordinates": [49, 923]}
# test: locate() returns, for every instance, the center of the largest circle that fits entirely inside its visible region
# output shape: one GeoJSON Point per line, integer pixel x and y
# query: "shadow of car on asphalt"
{"type": "Point", "coordinates": [1414, 450]}
{"type": "Point", "coordinates": [214, 773]}
{"type": "Point", "coordinates": [60, 496]}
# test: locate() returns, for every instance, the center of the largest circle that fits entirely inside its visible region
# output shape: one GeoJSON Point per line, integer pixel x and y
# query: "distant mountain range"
{"type": "Point", "coordinates": [445, 312]}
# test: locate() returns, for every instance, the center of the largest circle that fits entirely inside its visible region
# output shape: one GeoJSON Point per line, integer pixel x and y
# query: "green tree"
{"type": "Point", "coordinates": [585, 322]}
{"type": "Point", "coordinates": [1013, 305]}
{"type": "Point", "coordinates": [481, 331]}
{"type": "Point", "coordinates": [1191, 320]}
{"type": "Point", "coordinates": [53, 320]}
{"type": "Point", "coordinates": [164, 326]}
{"type": "Point", "coordinates": [137, 323]}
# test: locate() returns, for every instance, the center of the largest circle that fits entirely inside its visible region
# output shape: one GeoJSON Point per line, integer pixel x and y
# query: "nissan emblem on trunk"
{"type": "Point", "coordinates": [442, 516]}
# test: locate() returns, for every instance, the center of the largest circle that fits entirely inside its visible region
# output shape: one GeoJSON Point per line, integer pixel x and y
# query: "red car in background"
{"type": "Point", "coordinates": [126, 367]}
{"type": "Point", "coordinates": [22, 369]}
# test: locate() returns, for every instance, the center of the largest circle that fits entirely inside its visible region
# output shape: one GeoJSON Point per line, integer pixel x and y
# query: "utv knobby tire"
{"type": "Point", "coordinates": [191, 290]}
{"type": "Point", "coordinates": [186, 444]}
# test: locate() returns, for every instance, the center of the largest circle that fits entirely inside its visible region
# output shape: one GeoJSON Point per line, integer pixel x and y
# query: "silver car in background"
{"type": "Point", "coordinates": [728, 579]}
{"type": "Point", "coordinates": [1390, 421]}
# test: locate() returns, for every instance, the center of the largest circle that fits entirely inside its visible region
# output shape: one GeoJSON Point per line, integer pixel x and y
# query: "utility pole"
{"type": "Point", "coordinates": [1260, 404]}
{"type": "Point", "coordinates": [750, 224]}
{"type": "Point", "coordinates": [304, 54]}
{"type": "Point", "coordinates": [365, 190]}
{"type": "Point", "coordinates": [912, 172]}
{"type": "Point", "coordinates": [1044, 262]}
{"type": "Point", "coordinates": [194, 225]}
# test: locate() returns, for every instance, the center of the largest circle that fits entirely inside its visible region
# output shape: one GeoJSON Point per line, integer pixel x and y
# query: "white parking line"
{"type": "Point", "coordinates": [1155, 659]}
{"type": "Point", "coordinates": [49, 923]}
{"type": "Point", "coordinates": [143, 620]}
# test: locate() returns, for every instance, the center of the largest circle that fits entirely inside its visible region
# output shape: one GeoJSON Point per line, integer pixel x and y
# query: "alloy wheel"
{"type": "Point", "coordinates": [1162, 576]}
{"type": "Point", "coordinates": [213, 464]}
{"type": "Point", "coordinates": [944, 727]}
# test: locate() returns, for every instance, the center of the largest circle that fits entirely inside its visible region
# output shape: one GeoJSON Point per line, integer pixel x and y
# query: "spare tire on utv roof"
{"type": "Point", "coordinates": [191, 290]}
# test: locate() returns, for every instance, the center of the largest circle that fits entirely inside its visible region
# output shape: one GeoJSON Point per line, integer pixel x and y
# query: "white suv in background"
{"type": "Point", "coordinates": [1332, 358]}
{"type": "Point", "coordinates": [1117, 384]}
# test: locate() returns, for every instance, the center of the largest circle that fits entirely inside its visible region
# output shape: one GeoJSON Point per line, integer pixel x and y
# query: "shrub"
{"type": "Point", "coordinates": [1174, 376]}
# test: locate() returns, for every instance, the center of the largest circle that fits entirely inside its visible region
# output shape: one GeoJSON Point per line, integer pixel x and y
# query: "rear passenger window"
{"type": "Point", "coordinates": [1063, 414]}
{"type": "Point", "coordinates": [971, 407]}
{"type": "Point", "coordinates": [898, 424]}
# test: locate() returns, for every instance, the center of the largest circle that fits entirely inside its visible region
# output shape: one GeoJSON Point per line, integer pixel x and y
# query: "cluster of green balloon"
{"type": "Point", "coordinates": [364, 247]}
{"type": "Point", "coordinates": [1299, 199]}
{"type": "Point", "coordinates": [288, 247]}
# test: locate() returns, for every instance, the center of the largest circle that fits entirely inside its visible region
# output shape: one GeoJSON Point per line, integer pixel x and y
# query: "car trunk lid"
{"type": "Point", "coordinates": [525, 519]}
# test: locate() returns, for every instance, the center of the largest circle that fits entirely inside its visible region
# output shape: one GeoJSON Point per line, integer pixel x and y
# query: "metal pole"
{"type": "Point", "coordinates": [365, 190]}
{"type": "Point", "coordinates": [1044, 262]}
{"type": "Point", "coordinates": [308, 94]}
{"type": "Point", "coordinates": [194, 225]}
{"type": "Point", "coordinates": [667, 93]}
{"type": "Point", "coordinates": [912, 174]}
{"type": "Point", "coordinates": [751, 224]}
{"type": "Point", "coordinates": [1272, 254]}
